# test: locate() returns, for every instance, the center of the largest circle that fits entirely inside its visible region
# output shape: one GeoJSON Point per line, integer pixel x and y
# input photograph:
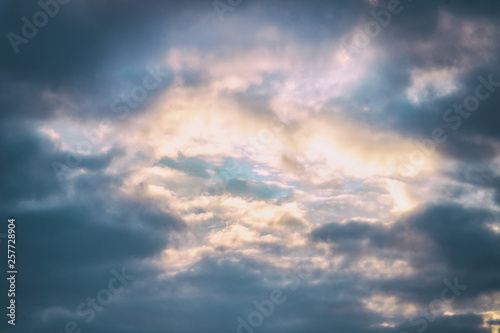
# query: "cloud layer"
{"type": "Point", "coordinates": [280, 166]}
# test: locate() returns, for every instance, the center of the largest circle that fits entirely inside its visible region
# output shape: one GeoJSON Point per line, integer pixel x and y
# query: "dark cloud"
{"type": "Point", "coordinates": [407, 44]}
{"type": "Point", "coordinates": [21, 150]}
{"type": "Point", "coordinates": [440, 241]}
{"type": "Point", "coordinates": [90, 51]}
{"type": "Point", "coordinates": [27, 157]}
{"type": "Point", "coordinates": [480, 175]}
{"type": "Point", "coordinates": [468, 323]}
{"type": "Point", "coordinates": [69, 249]}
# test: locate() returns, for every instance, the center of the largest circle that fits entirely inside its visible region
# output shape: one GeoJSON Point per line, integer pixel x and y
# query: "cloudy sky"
{"type": "Point", "coordinates": [252, 166]}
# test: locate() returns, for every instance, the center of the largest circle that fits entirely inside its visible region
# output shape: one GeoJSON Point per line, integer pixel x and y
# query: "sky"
{"type": "Point", "coordinates": [251, 166]}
